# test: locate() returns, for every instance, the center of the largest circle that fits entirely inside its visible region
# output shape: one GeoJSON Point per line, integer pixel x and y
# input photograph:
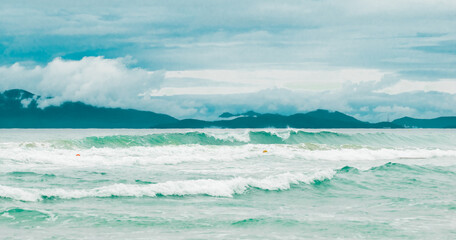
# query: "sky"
{"type": "Point", "coordinates": [375, 60]}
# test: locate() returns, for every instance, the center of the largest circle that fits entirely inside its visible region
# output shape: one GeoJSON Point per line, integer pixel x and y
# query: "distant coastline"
{"type": "Point", "coordinates": [19, 109]}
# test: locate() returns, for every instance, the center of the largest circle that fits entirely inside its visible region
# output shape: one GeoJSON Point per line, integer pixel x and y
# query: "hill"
{"type": "Point", "coordinates": [440, 122]}
{"type": "Point", "coordinates": [316, 119]}
{"type": "Point", "coordinates": [19, 109]}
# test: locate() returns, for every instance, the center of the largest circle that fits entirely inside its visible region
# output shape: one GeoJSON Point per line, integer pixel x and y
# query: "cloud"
{"type": "Point", "coordinates": [18, 76]}
{"type": "Point", "coordinates": [393, 112]}
{"type": "Point", "coordinates": [93, 80]}
{"type": "Point", "coordinates": [443, 85]}
{"type": "Point", "coordinates": [368, 94]}
{"type": "Point", "coordinates": [364, 103]}
{"type": "Point", "coordinates": [444, 47]}
{"type": "Point", "coordinates": [324, 79]}
{"type": "Point", "coordinates": [200, 58]}
{"type": "Point", "coordinates": [178, 35]}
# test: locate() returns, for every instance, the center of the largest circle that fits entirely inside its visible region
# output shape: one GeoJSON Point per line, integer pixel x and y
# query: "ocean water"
{"type": "Point", "coordinates": [225, 184]}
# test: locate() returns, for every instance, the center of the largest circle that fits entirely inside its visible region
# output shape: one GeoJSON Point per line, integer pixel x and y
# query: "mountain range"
{"type": "Point", "coordinates": [316, 119]}
{"type": "Point", "coordinates": [20, 109]}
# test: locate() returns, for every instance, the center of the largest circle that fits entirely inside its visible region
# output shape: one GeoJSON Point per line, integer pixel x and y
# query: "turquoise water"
{"type": "Point", "coordinates": [206, 184]}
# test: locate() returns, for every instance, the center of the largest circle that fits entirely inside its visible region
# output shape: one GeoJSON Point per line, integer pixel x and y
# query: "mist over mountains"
{"type": "Point", "coordinates": [19, 109]}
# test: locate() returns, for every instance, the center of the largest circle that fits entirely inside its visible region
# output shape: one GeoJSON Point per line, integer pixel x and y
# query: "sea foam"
{"type": "Point", "coordinates": [211, 187]}
{"type": "Point", "coordinates": [170, 154]}
{"type": "Point", "coordinates": [234, 138]}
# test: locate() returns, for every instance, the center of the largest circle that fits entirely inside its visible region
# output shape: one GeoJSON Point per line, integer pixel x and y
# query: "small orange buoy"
{"type": "Point", "coordinates": [78, 155]}
{"type": "Point", "coordinates": [265, 151]}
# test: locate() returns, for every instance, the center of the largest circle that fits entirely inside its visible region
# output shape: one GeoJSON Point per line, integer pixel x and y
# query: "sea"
{"type": "Point", "coordinates": [227, 184]}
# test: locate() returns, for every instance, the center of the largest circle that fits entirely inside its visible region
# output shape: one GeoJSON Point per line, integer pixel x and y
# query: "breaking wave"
{"type": "Point", "coordinates": [381, 139]}
{"type": "Point", "coordinates": [227, 187]}
{"type": "Point", "coordinates": [172, 154]}
{"type": "Point", "coordinates": [210, 187]}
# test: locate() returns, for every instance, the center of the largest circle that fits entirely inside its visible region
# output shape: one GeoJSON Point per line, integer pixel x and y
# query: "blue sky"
{"type": "Point", "coordinates": [370, 59]}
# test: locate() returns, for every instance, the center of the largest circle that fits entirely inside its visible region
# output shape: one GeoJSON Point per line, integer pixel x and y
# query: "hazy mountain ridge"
{"type": "Point", "coordinates": [246, 114]}
{"type": "Point", "coordinates": [440, 122]}
{"type": "Point", "coordinates": [315, 119]}
{"type": "Point", "coordinates": [19, 109]}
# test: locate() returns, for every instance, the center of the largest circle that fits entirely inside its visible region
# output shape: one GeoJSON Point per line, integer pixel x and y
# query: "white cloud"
{"type": "Point", "coordinates": [443, 85]}
{"type": "Point", "coordinates": [387, 113]}
{"type": "Point", "coordinates": [313, 80]}
{"type": "Point", "coordinates": [207, 93]}
{"type": "Point", "coordinates": [93, 80]}
{"type": "Point", "coordinates": [18, 76]}
{"type": "Point", "coordinates": [169, 91]}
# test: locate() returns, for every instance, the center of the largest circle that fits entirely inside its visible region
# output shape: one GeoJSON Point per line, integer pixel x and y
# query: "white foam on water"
{"type": "Point", "coordinates": [283, 134]}
{"type": "Point", "coordinates": [18, 193]}
{"type": "Point", "coordinates": [232, 136]}
{"type": "Point", "coordinates": [172, 154]}
{"type": "Point", "coordinates": [211, 187]}
{"type": "Point", "coordinates": [127, 156]}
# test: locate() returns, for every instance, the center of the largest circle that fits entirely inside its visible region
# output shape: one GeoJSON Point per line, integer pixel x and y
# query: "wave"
{"type": "Point", "coordinates": [381, 139]}
{"type": "Point", "coordinates": [401, 168]}
{"type": "Point", "coordinates": [24, 215]}
{"type": "Point", "coordinates": [30, 174]}
{"type": "Point", "coordinates": [122, 141]}
{"type": "Point", "coordinates": [180, 154]}
{"type": "Point", "coordinates": [238, 185]}
{"type": "Point", "coordinates": [210, 187]}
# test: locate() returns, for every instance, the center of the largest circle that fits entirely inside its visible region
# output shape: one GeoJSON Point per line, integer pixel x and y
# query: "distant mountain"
{"type": "Point", "coordinates": [246, 114]}
{"type": "Point", "coordinates": [315, 119]}
{"type": "Point", "coordinates": [440, 122]}
{"type": "Point", "coordinates": [19, 109]}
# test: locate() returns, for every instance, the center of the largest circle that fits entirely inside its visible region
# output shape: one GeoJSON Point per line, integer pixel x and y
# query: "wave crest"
{"type": "Point", "coordinates": [379, 139]}
{"type": "Point", "coordinates": [211, 187]}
